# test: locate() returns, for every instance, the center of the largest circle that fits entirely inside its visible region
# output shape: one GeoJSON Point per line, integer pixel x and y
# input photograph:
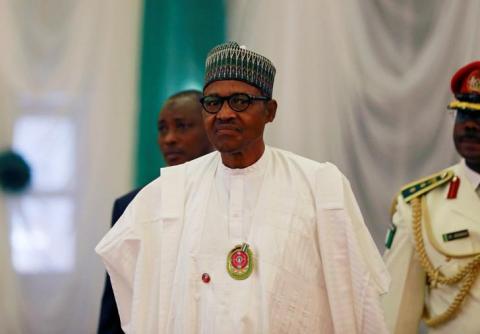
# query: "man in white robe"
{"type": "Point", "coordinates": [249, 239]}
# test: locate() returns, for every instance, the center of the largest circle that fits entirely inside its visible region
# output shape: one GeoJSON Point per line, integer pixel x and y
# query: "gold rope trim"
{"type": "Point", "coordinates": [435, 276]}
{"type": "Point", "coordinates": [463, 105]}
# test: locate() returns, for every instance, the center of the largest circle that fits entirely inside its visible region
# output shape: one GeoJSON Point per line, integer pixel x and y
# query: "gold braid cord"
{"type": "Point", "coordinates": [468, 273]}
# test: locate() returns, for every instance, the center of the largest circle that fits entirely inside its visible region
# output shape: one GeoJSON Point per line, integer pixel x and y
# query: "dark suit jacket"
{"type": "Point", "coordinates": [109, 320]}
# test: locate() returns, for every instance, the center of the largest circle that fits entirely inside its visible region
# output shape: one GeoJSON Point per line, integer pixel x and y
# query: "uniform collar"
{"type": "Point", "coordinates": [472, 176]}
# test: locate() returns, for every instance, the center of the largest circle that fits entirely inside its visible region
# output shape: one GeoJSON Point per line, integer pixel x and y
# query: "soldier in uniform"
{"type": "Point", "coordinates": [433, 246]}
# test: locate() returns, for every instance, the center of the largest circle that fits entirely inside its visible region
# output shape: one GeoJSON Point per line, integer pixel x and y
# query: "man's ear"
{"type": "Point", "coordinates": [271, 110]}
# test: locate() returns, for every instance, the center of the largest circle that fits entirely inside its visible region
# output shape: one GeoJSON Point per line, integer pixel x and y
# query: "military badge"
{"type": "Point", "coordinates": [390, 235]}
{"type": "Point", "coordinates": [240, 262]}
{"type": "Point", "coordinates": [455, 235]}
{"type": "Point", "coordinates": [473, 82]}
{"type": "Point", "coordinates": [453, 189]}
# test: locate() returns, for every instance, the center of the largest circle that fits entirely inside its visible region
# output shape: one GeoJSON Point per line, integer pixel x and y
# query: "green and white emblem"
{"type": "Point", "coordinates": [390, 236]}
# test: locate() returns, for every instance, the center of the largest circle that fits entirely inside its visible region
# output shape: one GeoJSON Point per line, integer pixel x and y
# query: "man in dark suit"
{"type": "Point", "coordinates": [181, 138]}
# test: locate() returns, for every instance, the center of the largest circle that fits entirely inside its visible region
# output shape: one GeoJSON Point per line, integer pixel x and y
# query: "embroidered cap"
{"type": "Point", "coordinates": [229, 61]}
{"type": "Point", "coordinates": [466, 87]}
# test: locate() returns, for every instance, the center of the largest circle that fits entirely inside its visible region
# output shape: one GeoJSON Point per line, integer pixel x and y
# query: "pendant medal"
{"type": "Point", "coordinates": [240, 262]}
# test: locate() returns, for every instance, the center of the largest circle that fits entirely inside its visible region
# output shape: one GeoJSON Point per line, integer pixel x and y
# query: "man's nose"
{"type": "Point", "coordinates": [226, 112]}
{"type": "Point", "coordinates": [170, 137]}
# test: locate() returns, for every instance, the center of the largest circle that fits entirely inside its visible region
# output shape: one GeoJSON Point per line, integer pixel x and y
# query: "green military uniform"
{"type": "Point", "coordinates": [437, 281]}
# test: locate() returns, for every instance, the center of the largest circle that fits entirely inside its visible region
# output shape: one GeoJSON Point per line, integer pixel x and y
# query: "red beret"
{"type": "Point", "coordinates": [467, 79]}
{"type": "Point", "coordinates": [466, 87]}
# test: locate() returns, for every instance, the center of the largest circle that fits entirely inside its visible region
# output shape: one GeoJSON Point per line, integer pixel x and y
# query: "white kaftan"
{"type": "Point", "coordinates": [316, 267]}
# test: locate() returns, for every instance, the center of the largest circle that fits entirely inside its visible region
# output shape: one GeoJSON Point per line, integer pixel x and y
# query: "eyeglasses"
{"type": "Point", "coordinates": [464, 115]}
{"type": "Point", "coordinates": [237, 102]}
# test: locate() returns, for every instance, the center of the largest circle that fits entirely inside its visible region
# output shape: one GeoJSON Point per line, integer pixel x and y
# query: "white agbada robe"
{"type": "Point", "coordinates": [317, 269]}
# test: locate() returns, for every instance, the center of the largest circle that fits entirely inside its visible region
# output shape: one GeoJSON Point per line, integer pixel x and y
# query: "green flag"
{"type": "Point", "coordinates": [177, 34]}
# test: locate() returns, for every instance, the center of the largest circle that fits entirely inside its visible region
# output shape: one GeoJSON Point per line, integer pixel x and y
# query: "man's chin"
{"type": "Point", "coordinates": [175, 160]}
{"type": "Point", "coordinates": [226, 147]}
{"type": "Point", "coordinates": [473, 163]}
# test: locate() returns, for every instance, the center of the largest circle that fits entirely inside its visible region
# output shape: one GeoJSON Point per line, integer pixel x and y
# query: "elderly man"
{"type": "Point", "coordinates": [249, 239]}
{"type": "Point", "coordinates": [434, 243]}
{"type": "Point", "coordinates": [181, 138]}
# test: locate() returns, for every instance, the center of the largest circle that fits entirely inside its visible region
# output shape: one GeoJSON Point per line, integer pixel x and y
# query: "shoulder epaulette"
{"type": "Point", "coordinates": [423, 186]}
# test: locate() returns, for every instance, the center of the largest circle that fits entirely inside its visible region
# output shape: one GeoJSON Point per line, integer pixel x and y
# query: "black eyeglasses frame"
{"type": "Point", "coordinates": [250, 100]}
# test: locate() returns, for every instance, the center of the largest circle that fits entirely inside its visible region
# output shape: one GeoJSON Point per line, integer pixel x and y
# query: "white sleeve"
{"type": "Point", "coordinates": [378, 281]}
{"type": "Point", "coordinates": [403, 304]}
{"type": "Point", "coordinates": [140, 252]}
{"type": "Point", "coordinates": [119, 250]}
{"type": "Point", "coordinates": [355, 274]}
{"type": "Point", "coordinates": [368, 249]}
